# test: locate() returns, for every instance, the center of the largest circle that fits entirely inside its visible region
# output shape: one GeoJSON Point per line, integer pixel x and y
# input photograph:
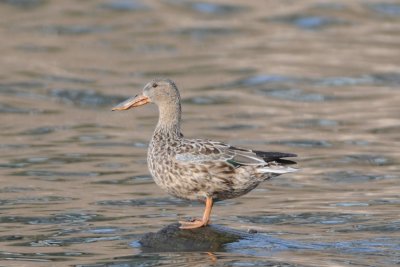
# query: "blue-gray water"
{"type": "Point", "coordinates": [317, 78]}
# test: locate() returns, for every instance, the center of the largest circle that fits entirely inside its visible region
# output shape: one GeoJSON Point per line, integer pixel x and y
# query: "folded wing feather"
{"type": "Point", "coordinates": [232, 155]}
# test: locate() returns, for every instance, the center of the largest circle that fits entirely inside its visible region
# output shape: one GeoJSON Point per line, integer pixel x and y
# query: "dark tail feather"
{"type": "Point", "coordinates": [285, 161]}
{"type": "Point", "coordinates": [276, 156]}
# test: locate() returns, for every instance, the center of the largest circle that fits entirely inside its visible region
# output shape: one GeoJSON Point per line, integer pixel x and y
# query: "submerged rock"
{"type": "Point", "coordinates": [216, 238]}
{"type": "Point", "coordinates": [172, 239]}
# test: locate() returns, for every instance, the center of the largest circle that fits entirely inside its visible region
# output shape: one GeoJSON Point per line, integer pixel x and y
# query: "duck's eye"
{"type": "Point", "coordinates": [155, 85]}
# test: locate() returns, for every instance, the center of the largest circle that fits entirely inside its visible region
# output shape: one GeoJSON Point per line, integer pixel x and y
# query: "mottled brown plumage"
{"type": "Point", "coordinates": [196, 169]}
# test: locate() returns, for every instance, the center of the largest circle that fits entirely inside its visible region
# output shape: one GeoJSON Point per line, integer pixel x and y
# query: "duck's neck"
{"type": "Point", "coordinates": [169, 121]}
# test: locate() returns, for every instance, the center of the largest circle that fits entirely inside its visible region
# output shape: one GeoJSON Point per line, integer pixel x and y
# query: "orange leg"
{"type": "Point", "coordinates": [199, 223]}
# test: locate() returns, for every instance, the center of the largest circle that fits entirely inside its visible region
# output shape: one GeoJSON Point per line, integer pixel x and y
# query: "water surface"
{"type": "Point", "coordinates": [317, 78]}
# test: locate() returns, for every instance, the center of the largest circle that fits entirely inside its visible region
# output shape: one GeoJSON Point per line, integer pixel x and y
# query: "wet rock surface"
{"type": "Point", "coordinates": [171, 239]}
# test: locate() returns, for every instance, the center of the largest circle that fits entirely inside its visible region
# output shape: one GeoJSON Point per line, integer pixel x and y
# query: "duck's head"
{"type": "Point", "coordinates": [159, 91]}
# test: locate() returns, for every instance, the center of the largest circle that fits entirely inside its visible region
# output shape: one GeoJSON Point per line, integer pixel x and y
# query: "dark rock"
{"type": "Point", "coordinates": [172, 239]}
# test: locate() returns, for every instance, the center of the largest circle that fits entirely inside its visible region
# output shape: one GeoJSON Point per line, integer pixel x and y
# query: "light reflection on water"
{"type": "Point", "coordinates": [317, 79]}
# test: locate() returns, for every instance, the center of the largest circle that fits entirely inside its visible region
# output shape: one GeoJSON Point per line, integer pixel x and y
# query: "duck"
{"type": "Point", "coordinates": [199, 169]}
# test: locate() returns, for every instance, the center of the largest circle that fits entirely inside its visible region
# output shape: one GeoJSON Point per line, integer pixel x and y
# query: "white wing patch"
{"type": "Point", "coordinates": [276, 169]}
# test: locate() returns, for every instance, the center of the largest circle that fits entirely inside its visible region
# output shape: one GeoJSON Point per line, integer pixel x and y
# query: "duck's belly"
{"type": "Point", "coordinates": [196, 182]}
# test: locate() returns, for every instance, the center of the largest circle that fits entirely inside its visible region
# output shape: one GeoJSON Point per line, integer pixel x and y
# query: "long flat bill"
{"type": "Point", "coordinates": [132, 102]}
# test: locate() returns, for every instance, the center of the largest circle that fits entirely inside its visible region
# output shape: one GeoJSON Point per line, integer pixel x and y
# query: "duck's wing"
{"type": "Point", "coordinates": [196, 151]}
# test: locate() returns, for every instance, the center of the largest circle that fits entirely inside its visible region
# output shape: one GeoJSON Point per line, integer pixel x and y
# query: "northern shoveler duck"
{"type": "Point", "coordinates": [197, 169]}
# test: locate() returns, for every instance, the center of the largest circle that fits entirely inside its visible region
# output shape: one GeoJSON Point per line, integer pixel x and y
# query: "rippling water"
{"type": "Point", "coordinates": [316, 78]}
